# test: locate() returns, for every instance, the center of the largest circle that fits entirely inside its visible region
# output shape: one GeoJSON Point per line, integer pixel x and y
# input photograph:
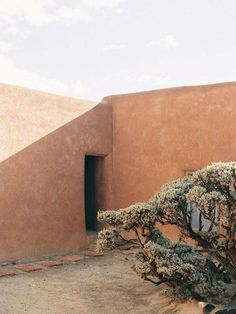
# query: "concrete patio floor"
{"type": "Point", "coordinates": [96, 285]}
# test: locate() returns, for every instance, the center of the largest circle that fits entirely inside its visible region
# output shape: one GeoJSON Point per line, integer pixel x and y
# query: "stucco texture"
{"type": "Point", "coordinates": [158, 135]}
{"type": "Point", "coordinates": [147, 139]}
{"type": "Point", "coordinates": [45, 139]}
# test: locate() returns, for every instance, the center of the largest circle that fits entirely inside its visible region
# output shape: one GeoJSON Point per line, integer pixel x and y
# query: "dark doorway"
{"type": "Point", "coordinates": [92, 181]}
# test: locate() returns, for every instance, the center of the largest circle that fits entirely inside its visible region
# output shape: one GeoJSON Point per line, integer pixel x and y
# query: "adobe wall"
{"type": "Point", "coordinates": [149, 138]}
{"type": "Point", "coordinates": [158, 135]}
{"type": "Point", "coordinates": [41, 188]}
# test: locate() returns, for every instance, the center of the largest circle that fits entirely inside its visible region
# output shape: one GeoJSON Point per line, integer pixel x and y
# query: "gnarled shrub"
{"type": "Point", "coordinates": [203, 207]}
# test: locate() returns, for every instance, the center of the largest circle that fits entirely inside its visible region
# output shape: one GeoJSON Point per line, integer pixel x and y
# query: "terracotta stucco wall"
{"type": "Point", "coordinates": [42, 187]}
{"type": "Point", "coordinates": [27, 115]}
{"type": "Point", "coordinates": [160, 134]}
{"type": "Point", "coordinates": [149, 139]}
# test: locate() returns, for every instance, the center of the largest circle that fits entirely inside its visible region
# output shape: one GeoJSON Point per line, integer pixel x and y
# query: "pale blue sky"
{"type": "Point", "coordinates": [93, 48]}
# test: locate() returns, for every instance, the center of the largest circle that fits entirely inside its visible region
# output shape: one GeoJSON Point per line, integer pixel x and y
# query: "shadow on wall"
{"type": "Point", "coordinates": [42, 188]}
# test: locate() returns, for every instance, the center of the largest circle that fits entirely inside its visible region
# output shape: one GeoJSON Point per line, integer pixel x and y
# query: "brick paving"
{"type": "Point", "coordinates": [51, 263]}
{"type": "Point", "coordinates": [6, 272]}
{"type": "Point", "coordinates": [11, 269]}
{"type": "Point", "coordinates": [91, 254]}
{"type": "Point", "coordinates": [73, 258]}
{"type": "Point", "coordinates": [28, 267]}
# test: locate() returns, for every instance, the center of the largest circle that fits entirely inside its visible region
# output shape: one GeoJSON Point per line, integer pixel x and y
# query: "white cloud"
{"type": "Point", "coordinates": [31, 11]}
{"type": "Point", "coordinates": [157, 79]}
{"type": "Point", "coordinates": [14, 31]}
{"type": "Point", "coordinates": [166, 42]}
{"type": "Point", "coordinates": [152, 43]}
{"type": "Point", "coordinates": [39, 12]}
{"type": "Point", "coordinates": [11, 74]}
{"type": "Point", "coordinates": [81, 89]}
{"type": "Point", "coordinates": [153, 81]}
{"type": "Point", "coordinates": [6, 46]}
{"type": "Point", "coordinates": [102, 3]}
{"type": "Point", "coordinates": [71, 15]}
{"type": "Point", "coordinates": [110, 47]}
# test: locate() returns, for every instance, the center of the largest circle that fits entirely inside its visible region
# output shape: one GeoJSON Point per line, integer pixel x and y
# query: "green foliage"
{"type": "Point", "coordinates": [188, 271]}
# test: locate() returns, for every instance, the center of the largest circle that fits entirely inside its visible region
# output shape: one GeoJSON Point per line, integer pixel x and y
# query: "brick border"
{"type": "Point", "coordinates": [44, 264]}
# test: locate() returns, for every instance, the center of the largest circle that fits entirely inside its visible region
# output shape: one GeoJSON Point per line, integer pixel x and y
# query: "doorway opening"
{"type": "Point", "coordinates": [92, 189]}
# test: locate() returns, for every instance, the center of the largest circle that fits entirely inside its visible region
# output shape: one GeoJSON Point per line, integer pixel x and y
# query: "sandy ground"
{"type": "Point", "coordinates": [98, 285]}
